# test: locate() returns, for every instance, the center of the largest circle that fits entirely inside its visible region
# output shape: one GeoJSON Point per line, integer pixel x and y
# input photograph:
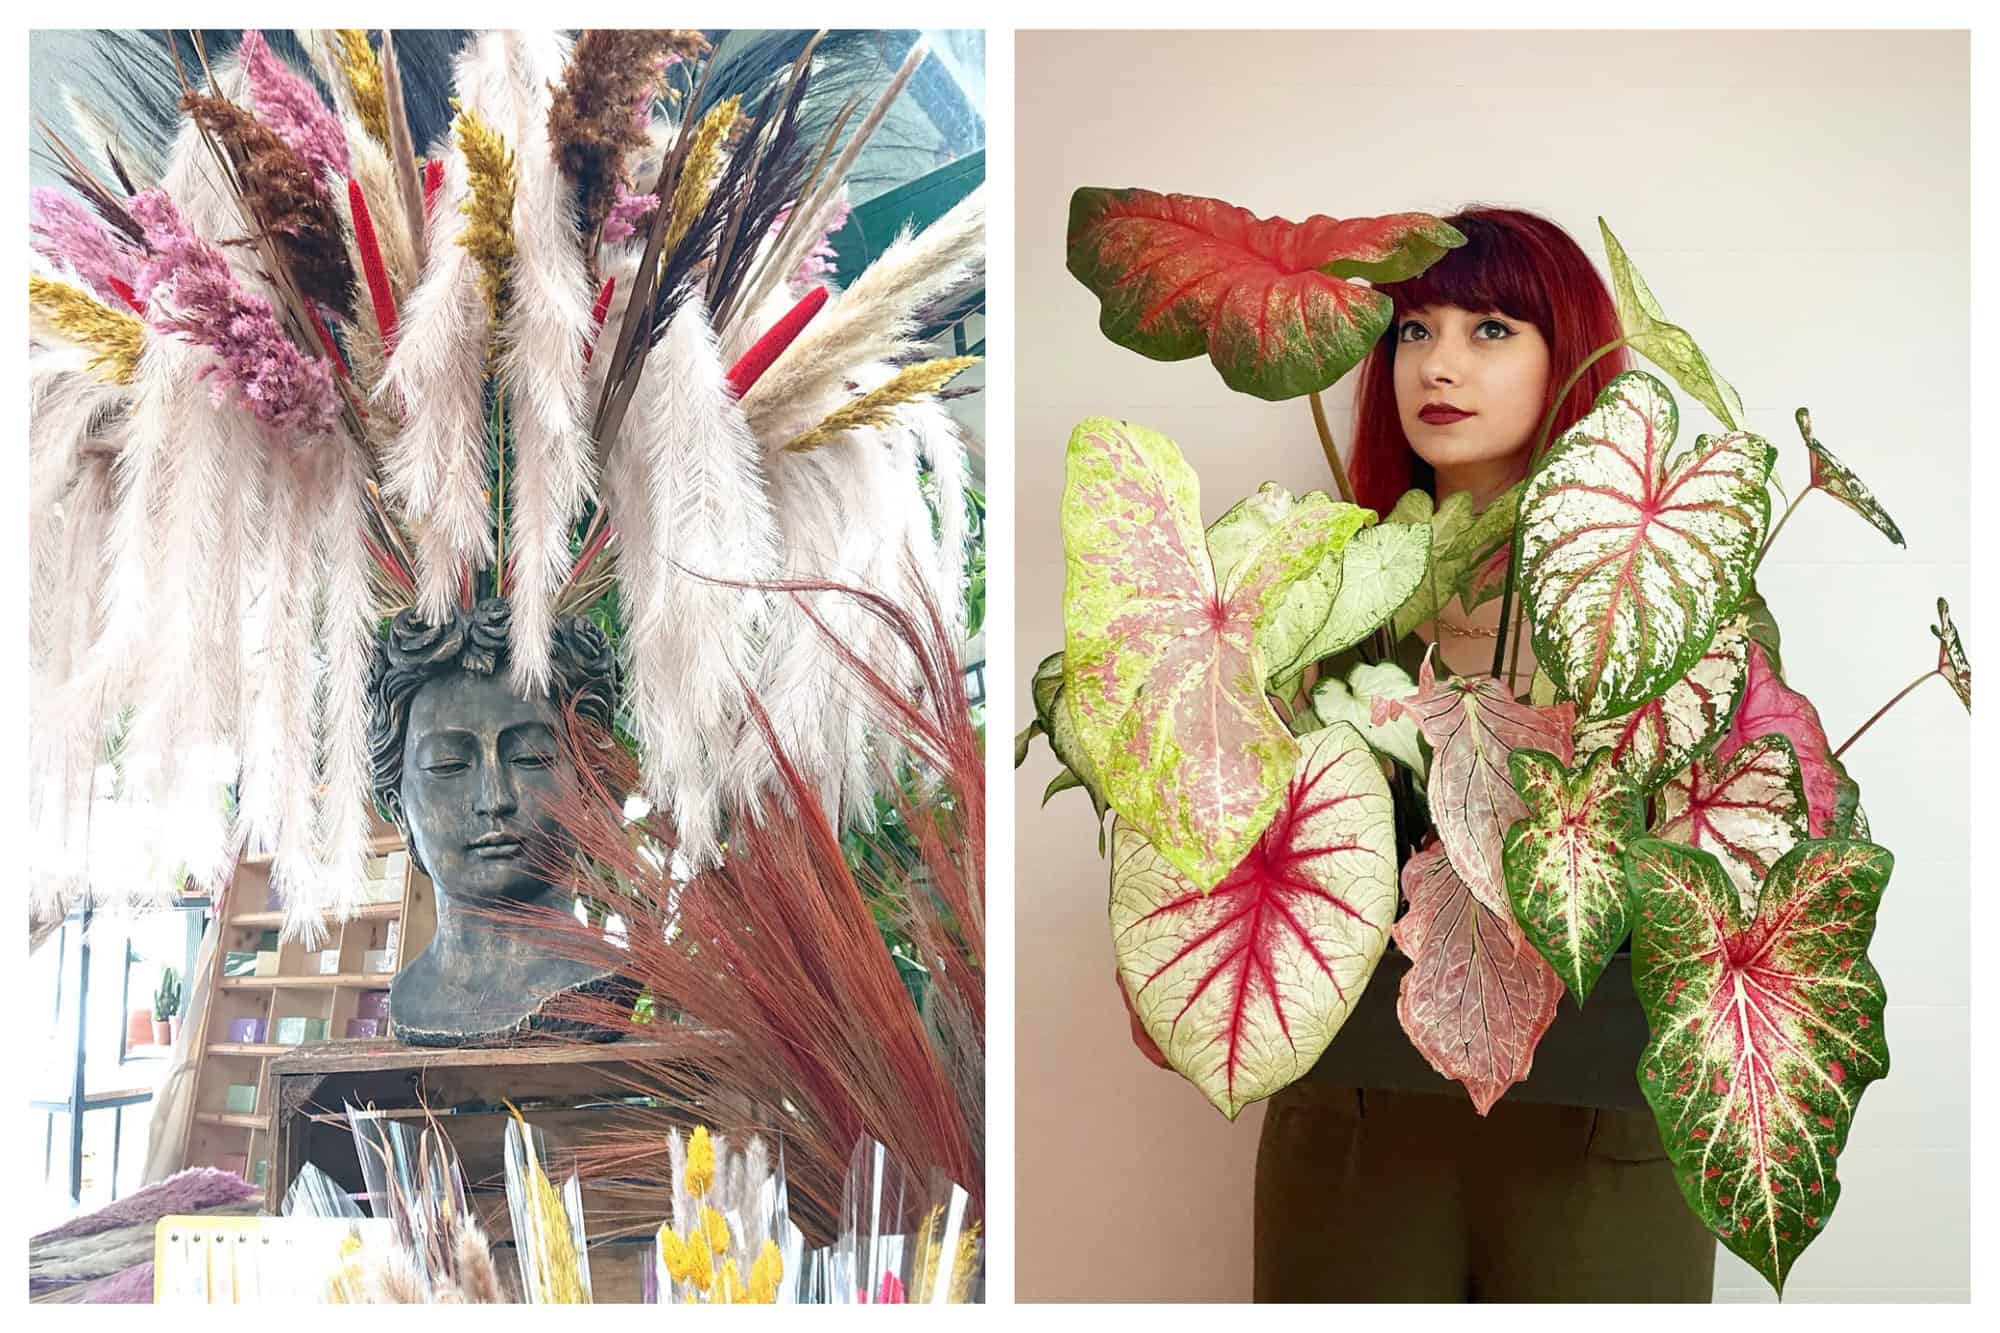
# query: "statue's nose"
{"type": "Point", "coordinates": [496, 792]}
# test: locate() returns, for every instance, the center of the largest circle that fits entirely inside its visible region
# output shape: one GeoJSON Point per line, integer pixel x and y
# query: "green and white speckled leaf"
{"type": "Point", "coordinates": [1473, 725]}
{"type": "Point", "coordinates": [1748, 809]}
{"type": "Point", "coordinates": [1657, 739]}
{"type": "Point", "coordinates": [1284, 636]}
{"type": "Point", "coordinates": [1951, 656]}
{"type": "Point", "coordinates": [1464, 543]}
{"type": "Point", "coordinates": [1564, 861]}
{"type": "Point", "coordinates": [1269, 300]}
{"type": "Point", "coordinates": [1832, 476]}
{"type": "Point", "coordinates": [1161, 668]}
{"type": "Point", "coordinates": [1668, 346]}
{"type": "Point", "coordinates": [1242, 988]}
{"type": "Point", "coordinates": [1476, 1000]}
{"type": "Point", "coordinates": [1633, 553]}
{"type": "Point", "coordinates": [1381, 567]}
{"type": "Point", "coordinates": [1353, 701]}
{"type": "Point", "coordinates": [1053, 716]}
{"type": "Point", "coordinates": [1765, 1032]}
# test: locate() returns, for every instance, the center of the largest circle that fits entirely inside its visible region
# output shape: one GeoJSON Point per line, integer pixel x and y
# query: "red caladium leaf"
{"type": "Point", "coordinates": [1634, 553]}
{"type": "Point", "coordinates": [1657, 739]}
{"type": "Point", "coordinates": [1243, 988]}
{"type": "Point", "coordinates": [1951, 656]}
{"type": "Point", "coordinates": [1476, 999]}
{"type": "Point", "coordinates": [1748, 809]}
{"type": "Point", "coordinates": [1765, 1032]}
{"type": "Point", "coordinates": [1564, 861]}
{"type": "Point", "coordinates": [1161, 669]}
{"type": "Point", "coordinates": [1771, 708]}
{"type": "Point", "coordinates": [1268, 300]}
{"type": "Point", "coordinates": [1473, 726]}
{"type": "Point", "coordinates": [1829, 474]}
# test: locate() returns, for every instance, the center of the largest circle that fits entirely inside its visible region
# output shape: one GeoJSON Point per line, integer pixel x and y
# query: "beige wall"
{"type": "Point", "coordinates": [1799, 201]}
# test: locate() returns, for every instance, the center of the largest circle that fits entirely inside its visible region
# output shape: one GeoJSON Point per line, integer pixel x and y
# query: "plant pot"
{"type": "Point", "coordinates": [162, 1032]}
{"type": "Point", "coordinates": [139, 1027]}
{"type": "Point", "coordinates": [174, 1030]}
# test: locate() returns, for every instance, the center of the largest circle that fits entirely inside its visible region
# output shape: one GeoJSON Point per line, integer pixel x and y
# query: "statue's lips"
{"type": "Point", "coordinates": [495, 849]}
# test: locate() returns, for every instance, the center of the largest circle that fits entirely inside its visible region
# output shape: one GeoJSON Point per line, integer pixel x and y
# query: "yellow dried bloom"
{"type": "Point", "coordinates": [964, 1264]}
{"type": "Point", "coordinates": [733, 1290]}
{"type": "Point", "coordinates": [490, 237]}
{"type": "Point", "coordinates": [698, 170]}
{"type": "Point", "coordinates": [364, 79]}
{"type": "Point", "coordinates": [555, 1277]}
{"type": "Point", "coordinates": [674, 1254]}
{"type": "Point", "coordinates": [701, 1265]}
{"type": "Point", "coordinates": [715, 1230]}
{"type": "Point", "coordinates": [114, 339]}
{"type": "Point", "coordinates": [700, 1162]}
{"type": "Point", "coordinates": [878, 406]}
{"type": "Point", "coordinates": [765, 1274]}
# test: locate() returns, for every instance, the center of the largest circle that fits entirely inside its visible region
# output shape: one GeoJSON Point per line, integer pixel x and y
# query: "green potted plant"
{"type": "Point", "coordinates": [1296, 793]}
{"type": "Point", "coordinates": [167, 1009]}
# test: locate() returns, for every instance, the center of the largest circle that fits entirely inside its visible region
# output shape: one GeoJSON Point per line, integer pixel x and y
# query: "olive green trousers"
{"type": "Point", "coordinates": [1385, 1196]}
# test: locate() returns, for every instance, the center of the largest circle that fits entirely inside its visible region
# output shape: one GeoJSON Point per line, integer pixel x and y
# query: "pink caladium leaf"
{"type": "Point", "coordinates": [1829, 474]}
{"type": "Point", "coordinates": [1771, 708]}
{"type": "Point", "coordinates": [1658, 738]}
{"type": "Point", "coordinates": [1269, 300]}
{"type": "Point", "coordinates": [1565, 861]}
{"type": "Point", "coordinates": [1242, 988]}
{"type": "Point", "coordinates": [1748, 809]}
{"type": "Point", "coordinates": [1476, 999]}
{"type": "Point", "coordinates": [1766, 1030]}
{"type": "Point", "coordinates": [1161, 668]}
{"type": "Point", "coordinates": [1473, 726]}
{"type": "Point", "coordinates": [1634, 553]}
{"type": "Point", "coordinates": [1951, 656]}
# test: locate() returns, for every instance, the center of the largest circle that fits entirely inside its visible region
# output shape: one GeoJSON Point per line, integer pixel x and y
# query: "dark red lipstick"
{"type": "Point", "coordinates": [1442, 414]}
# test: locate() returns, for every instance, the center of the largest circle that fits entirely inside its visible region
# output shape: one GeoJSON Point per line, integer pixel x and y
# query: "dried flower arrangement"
{"type": "Point", "coordinates": [1282, 785]}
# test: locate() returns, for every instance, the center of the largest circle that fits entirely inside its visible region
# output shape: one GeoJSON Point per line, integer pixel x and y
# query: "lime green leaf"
{"type": "Point", "coordinates": [1163, 675]}
{"type": "Point", "coordinates": [1832, 476]}
{"type": "Point", "coordinates": [1242, 988]}
{"type": "Point", "coordinates": [1052, 717]}
{"type": "Point", "coordinates": [1381, 567]}
{"type": "Point", "coordinates": [1668, 346]}
{"type": "Point", "coordinates": [1765, 1029]}
{"type": "Point", "coordinates": [1564, 861]}
{"type": "Point", "coordinates": [1353, 701]}
{"type": "Point", "coordinates": [1285, 635]}
{"type": "Point", "coordinates": [1464, 541]}
{"type": "Point", "coordinates": [1633, 553]}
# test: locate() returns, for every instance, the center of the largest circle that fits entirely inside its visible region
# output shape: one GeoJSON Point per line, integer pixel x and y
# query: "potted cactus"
{"type": "Point", "coordinates": [167, 1009]}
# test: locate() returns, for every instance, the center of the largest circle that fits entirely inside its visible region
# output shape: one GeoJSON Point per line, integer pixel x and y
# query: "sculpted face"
{"type": "Point", "coordinates": [480, 766]}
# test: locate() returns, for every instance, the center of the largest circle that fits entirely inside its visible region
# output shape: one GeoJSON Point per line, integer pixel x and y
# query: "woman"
{"type": "Point", "coordinates": [1376, 1180]}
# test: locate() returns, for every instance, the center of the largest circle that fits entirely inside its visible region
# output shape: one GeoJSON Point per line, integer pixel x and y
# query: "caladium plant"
{"type": "Point", "coordinates": [1242, 698]}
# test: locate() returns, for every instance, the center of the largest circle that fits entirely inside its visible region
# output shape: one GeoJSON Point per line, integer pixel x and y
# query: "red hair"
{"type": "Point", "coordinates": [1521, 265]}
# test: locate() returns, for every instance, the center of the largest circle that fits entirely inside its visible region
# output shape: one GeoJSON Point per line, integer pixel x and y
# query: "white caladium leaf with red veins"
{"type": "Point", "coordinates": [1634, 553]}
{"type": "Point", "coordinates": [1565, 861]}
{"type": "Point", "coordinates": [1476, 999]}
{"type": "Point", "coordinates": [1765, 1032]}
{"type": "Point", "coordinates": [1657, 739]}
{"type": "Point", "coordinates": [1951, 656]}
{"type": "Point", "coordinates": [1748, 809]}
{"type": "Point", "coordinates": [1243, 987]}
{"type": "Point", "coordinates": [1771, 708]}
{"type": "Point", "coordinates": [1161, 668]}
{"type": "Point", "coordinates": [1473, 725]}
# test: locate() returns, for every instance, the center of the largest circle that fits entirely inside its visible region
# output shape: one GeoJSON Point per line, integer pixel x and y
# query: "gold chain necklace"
{"type": "Point", "coordinates": [1469, 631]}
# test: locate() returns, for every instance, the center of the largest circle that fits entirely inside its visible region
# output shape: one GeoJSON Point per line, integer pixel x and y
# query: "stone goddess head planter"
{"type": "Point", "coordinates": [468, 768]}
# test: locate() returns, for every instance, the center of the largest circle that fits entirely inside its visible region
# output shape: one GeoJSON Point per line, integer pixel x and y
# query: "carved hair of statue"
{"type": "Point", "coordinates": [583, 670]}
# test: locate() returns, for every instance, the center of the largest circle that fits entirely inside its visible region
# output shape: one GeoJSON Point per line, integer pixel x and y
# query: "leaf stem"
{"type": "Point", "coordinates": [1783, 519]}
{"type": "Point", "coordinates": [1885, 708]}
{"type": "Point", "coordinates": [1534, 466]}
{"type": "Point", "coordinates": [1326, 445]}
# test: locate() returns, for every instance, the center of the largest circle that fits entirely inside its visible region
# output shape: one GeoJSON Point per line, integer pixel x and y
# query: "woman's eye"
{"type": "Point", "coordinates": [1494, 329]}
{"type": "Point", "coordinates": [1413, 332]}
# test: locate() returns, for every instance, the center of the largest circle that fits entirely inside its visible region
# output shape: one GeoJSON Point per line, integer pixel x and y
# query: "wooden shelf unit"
{"type": "Point", "coordinates": [240, 1141]}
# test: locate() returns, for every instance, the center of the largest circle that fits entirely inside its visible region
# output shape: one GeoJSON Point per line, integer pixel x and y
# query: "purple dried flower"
{"type": "Point", "coordinates": [286, 102]}
{"type": "Point", "coordinates": [627, 211]}
{"type": "Point", "coordinates": [62, 229]}
{"type": "Point", "coordinates": [282, 386]}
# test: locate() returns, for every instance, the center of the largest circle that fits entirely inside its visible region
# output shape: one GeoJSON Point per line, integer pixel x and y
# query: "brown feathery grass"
{"type": "Point", "coordinates": [489, 235]}
{"type": "Point", "coordinates": [363, 73]}
{"type": "Point", "coordinates": [590, 118]}
{"type": "Point", "coordinates": [286, 200]}
{"type": "Point", "coordinates": [772, 967]}
{"type": "Point", "coordinates": [697, 180]}
{"type": "Point", "coordinates": [878, 406]}
{"type": "Point", "coordinates": [114, 339]}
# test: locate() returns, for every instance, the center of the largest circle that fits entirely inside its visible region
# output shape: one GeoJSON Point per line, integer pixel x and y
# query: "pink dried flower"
{"type": "Point", "coordinates": [628, 210]}
{"type": "Point", "coordinates": [64, 230]}
{"type": "Point", "coordinates": [286, 102]}
{"type": "Point", "coordinates": [820, 261]}
{"type": "Point", "coordinates": [281, 385]}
